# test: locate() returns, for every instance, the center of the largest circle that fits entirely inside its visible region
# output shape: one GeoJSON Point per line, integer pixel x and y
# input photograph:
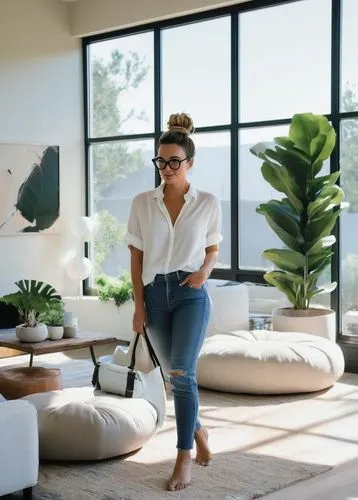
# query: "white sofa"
{"type": "Point", "coordinates": [19, 457]}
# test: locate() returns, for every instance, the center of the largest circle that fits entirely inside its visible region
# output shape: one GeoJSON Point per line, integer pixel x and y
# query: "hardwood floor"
{"type": "Point", "coordinates": [340, 483]}
{"type": "Point", "coordinates": [319, 428]}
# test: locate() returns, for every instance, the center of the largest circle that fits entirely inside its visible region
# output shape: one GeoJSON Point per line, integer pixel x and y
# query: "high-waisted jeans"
{"type": "Point", "coordinates": [177, 318]}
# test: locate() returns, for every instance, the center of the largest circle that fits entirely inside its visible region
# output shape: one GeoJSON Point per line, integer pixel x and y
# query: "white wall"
{"type": "Point", "coordinates": [41, 103]}
{"type": "Point", "coordinates": [96, 16]}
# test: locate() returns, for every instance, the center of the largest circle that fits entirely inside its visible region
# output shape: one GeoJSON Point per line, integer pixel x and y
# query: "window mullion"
{"type": "Point", "coordinates": [234, 142]}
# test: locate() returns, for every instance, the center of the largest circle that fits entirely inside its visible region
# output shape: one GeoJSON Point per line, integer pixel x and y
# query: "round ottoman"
{"type": "Point", "coordinates": [84, 424]}
{"type": "Point", "coordinates": [18, 382]}
{"type": "Point", "coordinates": [265, 362]}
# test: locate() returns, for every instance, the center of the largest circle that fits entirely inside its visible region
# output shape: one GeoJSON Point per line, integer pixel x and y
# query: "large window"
{"type": "Point", "coordinates": [349, 167]}
{"type": "Point", "coordinates": [241, 72]}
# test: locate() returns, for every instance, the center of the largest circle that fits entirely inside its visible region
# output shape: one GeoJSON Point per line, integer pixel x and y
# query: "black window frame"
{"type": "Point", "coordinates": [349, 344]}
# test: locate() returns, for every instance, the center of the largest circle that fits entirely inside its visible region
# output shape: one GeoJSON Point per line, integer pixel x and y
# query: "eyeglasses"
{"type": "Point", "coordinates": [174, 163]}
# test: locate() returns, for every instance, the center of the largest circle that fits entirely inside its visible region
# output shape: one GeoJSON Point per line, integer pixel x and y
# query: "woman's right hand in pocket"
{"type": "Point", "coordinates": [139, 319]}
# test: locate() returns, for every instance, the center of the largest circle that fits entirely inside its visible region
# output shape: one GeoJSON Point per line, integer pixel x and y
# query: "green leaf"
{"type": "Point", "coordinates": [316, 146]}
{"type": "Point", "coordinates": [281, 217]}
{"type": "Point", "coordinates": [296, 165]}
{"type": "Point", "coordinates": [285, 237]}
{"type": "Point", "coordinates": [38, 196]}
{"type": "Point", "coordinates": [282, 181]}
{"type": "Point", "coordinates": [316, 259]}
{"type": "Point", "coordinates": [329, 197]}
{"type": "Point", "coordinates": [287, 259]}
{"type": "Point", "coordinates": [330, 134]}
{"type": "Point", "coordinates": [315, 186]}
{"type": "Point", "coordinates": [324, 289]}
{"type": "Point", "coordinates": [284, 142]}
{"type": "Point", "coordinates": [321, 244]}
{"type": "Point", "coordinates": [317, 228]}
{"type": "Point", "coordinates": [303, 129]}
{"type": "Point", "coordinates": [320, 265]}
{"type": "Point", "coordinates": [282, 282]}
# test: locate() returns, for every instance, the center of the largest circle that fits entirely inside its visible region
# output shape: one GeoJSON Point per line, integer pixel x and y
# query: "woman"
{"type": "Point", "coordinates": [173, 235]}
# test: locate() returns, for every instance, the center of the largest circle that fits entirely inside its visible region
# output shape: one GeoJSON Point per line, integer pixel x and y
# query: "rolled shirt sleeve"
{"type": "Point", "coordinates": [214, 231]}
{"type": "Point", "coordinates": [134, 235]}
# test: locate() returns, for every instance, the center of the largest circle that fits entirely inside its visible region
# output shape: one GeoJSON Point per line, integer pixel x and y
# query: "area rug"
{"type": "Point", "coordinates": [233, 476]}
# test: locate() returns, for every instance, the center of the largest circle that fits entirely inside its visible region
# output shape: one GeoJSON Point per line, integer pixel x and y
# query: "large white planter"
{"type": "Point", "coordinates": [315, 320]}
{"type": "Point", "coordinates": [32, 333]}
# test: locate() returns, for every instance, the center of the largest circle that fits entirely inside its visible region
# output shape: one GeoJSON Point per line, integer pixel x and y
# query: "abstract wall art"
{"type": "Point", "coordinates": [29, 189]}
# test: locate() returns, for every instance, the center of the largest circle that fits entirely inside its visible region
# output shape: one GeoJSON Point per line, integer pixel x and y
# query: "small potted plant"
{"type": "Point", "coordinates": [32, 300]}
{"type": "Point", "coordinates": [53, 318]}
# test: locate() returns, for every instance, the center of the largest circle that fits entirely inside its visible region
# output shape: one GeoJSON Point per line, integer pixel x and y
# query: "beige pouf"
{"type": "Point", "coordinates": [265, 362]}
{"type": "Point", "coordinates": [83, 424]}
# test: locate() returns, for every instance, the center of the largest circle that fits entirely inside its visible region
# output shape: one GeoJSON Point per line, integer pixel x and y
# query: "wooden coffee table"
{"type": "Point", "coordinates": [84, 339]}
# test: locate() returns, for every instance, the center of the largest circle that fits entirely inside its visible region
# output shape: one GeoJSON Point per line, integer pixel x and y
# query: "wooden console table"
{"type": "Point", "coordinates": [84, 339]}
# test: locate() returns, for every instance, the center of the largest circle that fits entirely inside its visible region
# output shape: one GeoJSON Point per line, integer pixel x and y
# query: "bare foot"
{"type": "Point", "coordinates": [203, 453]}
{"type": "Point", "coordinates": [182, 472]}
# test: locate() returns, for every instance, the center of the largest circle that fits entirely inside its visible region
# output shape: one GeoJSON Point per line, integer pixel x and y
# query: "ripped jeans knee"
{"type": "Point", "coordinates": [182, 380]}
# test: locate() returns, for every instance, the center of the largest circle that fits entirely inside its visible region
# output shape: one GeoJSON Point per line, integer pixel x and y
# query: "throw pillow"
{"type": "Point", "coordinates": [229, 310]}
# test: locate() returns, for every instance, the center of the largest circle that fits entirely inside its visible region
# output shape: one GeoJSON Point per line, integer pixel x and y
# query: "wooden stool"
{"type": "Point", "coordinates": [18, 382]}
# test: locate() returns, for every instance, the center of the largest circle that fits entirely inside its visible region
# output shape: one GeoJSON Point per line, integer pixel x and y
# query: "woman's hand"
{"type": "Point", "coordinates": [139, 319]}
{"type": "Point", "coordinates": [195, 280]}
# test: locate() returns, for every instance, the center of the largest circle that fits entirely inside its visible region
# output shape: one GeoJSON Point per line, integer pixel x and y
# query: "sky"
{"type": "Point", "coordinates": [284, 61]}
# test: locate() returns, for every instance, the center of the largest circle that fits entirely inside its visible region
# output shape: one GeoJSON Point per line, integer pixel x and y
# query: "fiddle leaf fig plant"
{"type": "Point", "coordinates": [305, 217]}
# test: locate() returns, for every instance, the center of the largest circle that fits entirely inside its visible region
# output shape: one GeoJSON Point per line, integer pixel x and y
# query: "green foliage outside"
{"type": "Point", "coordinates": [32, 300]}
{"type": "Point", "coordinates": [112, 160]}
{"type": "Point", "coordinates": [117, 289]}
{"type": "Point", "coordinates": [305, 217]}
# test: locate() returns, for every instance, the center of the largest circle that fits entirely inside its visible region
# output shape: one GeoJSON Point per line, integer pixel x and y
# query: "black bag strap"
{"type": "Point", "coordinates": [130, 384]}
{"type": "Point", "coordinates": [151, 351]}
{"type": "Point", "coordinates": [132, 363]}
{"type": "Point", "coordinates": [95, 377]}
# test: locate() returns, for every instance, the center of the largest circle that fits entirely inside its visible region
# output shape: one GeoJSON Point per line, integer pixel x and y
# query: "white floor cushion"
{"type": "Point", "coordinates": [83, 424]}
{"type": "Point", "coordinates": [265, 362]}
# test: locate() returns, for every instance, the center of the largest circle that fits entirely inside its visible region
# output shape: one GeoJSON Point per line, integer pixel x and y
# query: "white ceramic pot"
{"type": "Point", "coordinates": [55, 332]}
{"type": "Point", "coordinates": [70, 332]}
{"type": "Point", "coordinates": [32, 333]}
{"type": "Point", "coordinates": [315, 320]}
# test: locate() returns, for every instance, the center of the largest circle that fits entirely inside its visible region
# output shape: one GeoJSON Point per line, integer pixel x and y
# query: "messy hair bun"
{"type": "Point", "coordinates": [181, 122]}
{"type": "Point", "coordinates": [180, 126]}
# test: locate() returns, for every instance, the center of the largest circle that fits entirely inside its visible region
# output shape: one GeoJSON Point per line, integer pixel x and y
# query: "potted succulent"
{"type": "Point", "coordinates": [53, 318]}
{"type": "Point", "coordinates": [31, 300]}
{"type": "Point", "coordinates": [303, 220]}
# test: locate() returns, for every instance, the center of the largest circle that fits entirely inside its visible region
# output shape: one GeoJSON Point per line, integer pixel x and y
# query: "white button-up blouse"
{"type": "Point", "coordinates": [167, 247]}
